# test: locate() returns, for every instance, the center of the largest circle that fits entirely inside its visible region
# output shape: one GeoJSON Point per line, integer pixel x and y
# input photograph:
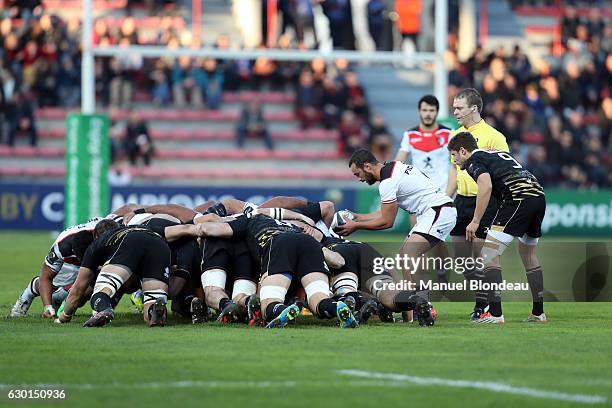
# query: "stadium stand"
{"type": "Point", "coordinates": [535, 103]}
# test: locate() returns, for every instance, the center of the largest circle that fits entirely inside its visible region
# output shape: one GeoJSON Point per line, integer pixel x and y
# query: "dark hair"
{"type": "Point", "coordinates": [430, 100]}
{"type": "Point", "coordinates": [362, 156]}
{"type": "Point", "coordinates": [81, 242]}
{"type": "Point", "coordinates": [472, 96]}
{"type": "Point", "coordinates": [462, 139]}
{"type": "Point", "coordinates": [103, 226]}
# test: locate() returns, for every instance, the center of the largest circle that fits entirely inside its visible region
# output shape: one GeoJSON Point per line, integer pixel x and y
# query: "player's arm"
{"type": "Point", "coordinates": [385, 219]}
{"type": "Point", "coordinates": [45, 288]}
{"type": "Point", "coordinates": [333, 259]}
{"type": "Point", "coordinates": [128, 208]}
{"type": "Point", "coordinates": [76, 294]}
{"type": "Point", "coordinates": [283, 214]}
{"type": "Point", "coordinates": [451, 186]}
{"type": "Point", "coordinates": [485, 187]}
{"type": "Point", "coordinates": [401, 155]}
{"type": "Point", "coordinates": [366, 217]}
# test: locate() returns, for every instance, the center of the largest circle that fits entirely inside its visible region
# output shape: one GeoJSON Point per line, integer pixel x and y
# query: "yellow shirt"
{"type": "Point", "coordinates": [488, 138]}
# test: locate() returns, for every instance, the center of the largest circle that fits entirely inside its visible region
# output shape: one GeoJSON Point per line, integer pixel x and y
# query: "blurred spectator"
{"type": "Point", "coordinates": [538, 165]}
{"type": "Point", "coordinates": [376, 21]}
{"type": "Point", "coordinates": [409, 24]}
{"type": "Point", "coordinates": [119, 173]}
{"type": "Point", "coordinates": [211, 83]}
{"type": "Point", "coordinates": [20, 112]}
{"type": "Point", "coordinates": [340, 19]}
{"type": "Point", "coordinates": [121, 87]}
{"type": "Point", "coordinates": [381, 146]}
{"type": "Point", "coordinates": [184, 83]}
{"type": "Point", "coordinates": [307, 101]}
{"type": "Point", "coordinates": [161, 84]}
{"type": "Point", "coordinates": [252, 123]}
{"type": "Point", "coordinates": [301, 14]}
{"type": "Point", "coordinates": [45, 83]}
{"type": "Point", "coordinates": [68, 83]}
{"type": "Point", "coordinates": [352, 136]}
{"type": "Point", "coordinates": [137, 142]}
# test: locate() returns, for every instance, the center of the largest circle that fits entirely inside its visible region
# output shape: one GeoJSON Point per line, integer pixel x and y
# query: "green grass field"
{"type": "Point", "coordinates": [567, 362]}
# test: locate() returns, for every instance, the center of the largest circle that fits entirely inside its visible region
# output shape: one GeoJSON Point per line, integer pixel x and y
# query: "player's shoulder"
{"type": "Point", "coordinates": [442, 128]}
{"type": "Point", "coordinates": [458, 130]}
{"type": "Point", "coordinates": [414, 131]}
{"type": "Point", "coordinates": [389, 170]}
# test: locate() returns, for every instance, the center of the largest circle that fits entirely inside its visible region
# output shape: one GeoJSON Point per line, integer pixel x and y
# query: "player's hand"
{"type": "Point", "coordinates": [470, 231]}
{"type": "Point", "coordinates": [48, 312]}
{"type": "Point", "coordinates": [62, 318]}
{"type": "Point", "coordinates": [346, 229]}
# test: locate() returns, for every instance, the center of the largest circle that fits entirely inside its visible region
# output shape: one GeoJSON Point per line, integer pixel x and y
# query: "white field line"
{"type": "Point", "coordinates": [479, 385]}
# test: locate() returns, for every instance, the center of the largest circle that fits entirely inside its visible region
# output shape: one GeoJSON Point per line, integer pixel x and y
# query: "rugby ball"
{"type": "Point", "coordinates": [340, 218]}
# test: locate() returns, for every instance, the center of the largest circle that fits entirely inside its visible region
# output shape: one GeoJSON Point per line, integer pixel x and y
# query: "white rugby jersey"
{"type": "Point", "coordinates": [413, 190]}
{"type": "Point", "coordinates": [429, 153]}
{"type": "Point", "coordinates": [62, 251]}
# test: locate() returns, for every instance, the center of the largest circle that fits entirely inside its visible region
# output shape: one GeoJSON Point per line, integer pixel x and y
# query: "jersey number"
{"type": "Point", "coordinates": [506, 156]}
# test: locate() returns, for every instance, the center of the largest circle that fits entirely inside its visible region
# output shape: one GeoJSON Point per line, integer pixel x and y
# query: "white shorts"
{"type": "Point", "coordinates": [66, 276]}
{"type": "Point", "coordinates": [438, 224]}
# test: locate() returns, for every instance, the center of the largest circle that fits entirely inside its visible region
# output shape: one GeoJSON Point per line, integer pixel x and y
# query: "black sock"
{"type": "Point", "coordinates": [480, 295]}
{"type": "Point", "coordinates": [401, 301]}
{"type": "Point", "coordinates": [536, 284]}
{"type": "Point", "coordinates": [224, 302]}
{"type": "Point", "coordinates": [360, 300]}
{"type": "Point", "coordinates": [100, 301]}
{"type": "Point", "coordinates": [326, 309]}
{"type": "Point", "coordinates": [493, 275]}
{"type": "Point", "coordinates": [274, 309]}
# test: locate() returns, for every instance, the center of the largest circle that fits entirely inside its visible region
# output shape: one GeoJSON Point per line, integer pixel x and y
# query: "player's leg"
{"type": "Point", "coordinates": [272, 294]}
{"type": "Point", "coordinates": [246, 277]}
{"type": "Point", "coordinates": [527, 249]}
{"type": "Point", "coordinates": [25, 299]}
{"type": "Point", "coordinates": [216, 265]}
{"type": "Point", "coordinates": [314, 277]}
{"type": "Point", "coordinates": [108, 282]}
{"type": "Point", "coordinates": [155, 299]}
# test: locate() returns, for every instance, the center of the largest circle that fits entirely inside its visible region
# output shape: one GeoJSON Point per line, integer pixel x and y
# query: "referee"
{"type": "Point", "coordinates": [467, 107]}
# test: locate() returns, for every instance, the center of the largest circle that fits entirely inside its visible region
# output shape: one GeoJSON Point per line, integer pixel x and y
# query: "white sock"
{"type": "Point", "coordinates": [58, 296]}
{"type": "Point", "coordinates": [30, 291]}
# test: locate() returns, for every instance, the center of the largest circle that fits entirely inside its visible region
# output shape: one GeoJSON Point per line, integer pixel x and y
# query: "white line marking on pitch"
{"type": "Point", "coordinates": [481, 385]}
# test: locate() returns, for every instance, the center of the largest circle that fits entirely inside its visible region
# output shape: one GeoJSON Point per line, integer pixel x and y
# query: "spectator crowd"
{"type": "Point", "coordinates": [556, 114]}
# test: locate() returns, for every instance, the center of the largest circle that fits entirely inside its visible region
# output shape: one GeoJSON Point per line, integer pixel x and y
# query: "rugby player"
{"type": "Point", "coordinates": [121, 252]}
{"type": "Point", "coordinates": [425, 145]}
{"type": "Point", "coordinates": [520, 214]}
{"type": "Point", "coordinates": [402, 186]}
{"type": "Point", "coordinates": [467, 107]}
{"type": "Point", "coordinates": [60, 267]}
{"type": "Point", "coordinates": [283, 253]}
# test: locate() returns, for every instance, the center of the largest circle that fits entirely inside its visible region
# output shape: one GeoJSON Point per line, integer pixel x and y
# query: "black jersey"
{"type": "Point", "coordinates": [511, 182]}
{"type": "Point", "coordinates": [103, 248]}
{"type": "Point", "coordinates": [258, 231]}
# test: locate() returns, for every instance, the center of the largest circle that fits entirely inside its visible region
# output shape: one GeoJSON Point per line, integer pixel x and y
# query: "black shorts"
{"type": "Point", "coordinates": [465, 213]}
{"type": "Point", "coordinates": [233, 257]}
{"type": "Point", "coordinates": [293, 253]}
{"type": "Point", "coordinates": [145, 254]}
{"type": "Point", "coordinates": [359, 259]}
{"type": "Point", "coordinates": [312, 210]}
{"type": "Point", "coordinates": [518, 218]}
{"type": "Point", "coordinates": [185, 251]}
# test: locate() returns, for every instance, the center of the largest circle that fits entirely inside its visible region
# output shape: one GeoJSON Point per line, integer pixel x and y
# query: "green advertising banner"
{"type": "Point", "coordinates": [87, 161]}
{"type": "Point", "coordinates": [568, 212]}
{"type": "Point", "coordinates": [583, 213]}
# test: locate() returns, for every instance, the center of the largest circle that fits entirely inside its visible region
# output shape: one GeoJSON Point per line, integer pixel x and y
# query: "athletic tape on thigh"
{"type": "Point", "coordinates": [151, 296]}
{"type": "Point", "coordinates": [109, 280]}
{"type": "Point", "coordinates": [492, 249]}
{"type": "Point", "coordinates": [272, 292]}
{"type": "Point", "coordinates": [527, 240]}
{"type": "Point", "coordinates": [244, 286]}
{"type": "Point", "coordinates": [344, 283]}
{"type": "Point", "coordinates": [317, 286]}
{"type": "Point", "coordinates": [214, 277]}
